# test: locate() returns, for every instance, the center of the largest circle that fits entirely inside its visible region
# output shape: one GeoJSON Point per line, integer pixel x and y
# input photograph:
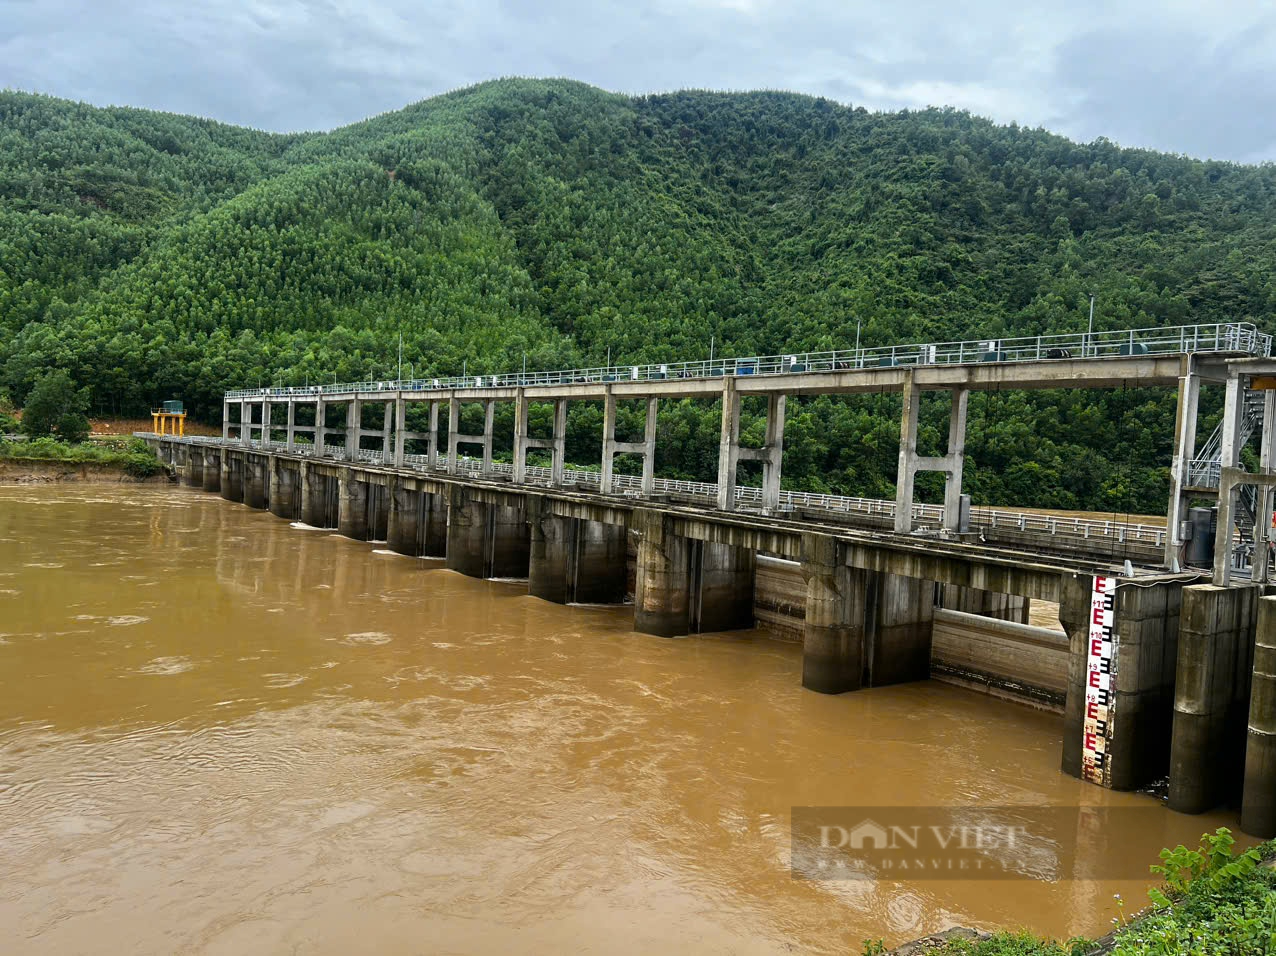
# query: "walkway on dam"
{"type": "Point", "coordinates": [1181, 357]}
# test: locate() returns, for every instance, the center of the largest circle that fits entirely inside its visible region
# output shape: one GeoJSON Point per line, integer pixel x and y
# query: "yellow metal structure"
{"type": "Point", "coordinates": [174, 422]}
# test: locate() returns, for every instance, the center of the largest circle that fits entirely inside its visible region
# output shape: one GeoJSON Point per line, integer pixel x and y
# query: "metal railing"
{"type": "Point", "coordinates": [631, 485]}
{"type": "Point", "coordinates": [1230, 337]}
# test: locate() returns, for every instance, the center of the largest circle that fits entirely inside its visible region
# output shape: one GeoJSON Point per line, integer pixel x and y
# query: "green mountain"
{"type": "Point", "coordinates": [153, 256]}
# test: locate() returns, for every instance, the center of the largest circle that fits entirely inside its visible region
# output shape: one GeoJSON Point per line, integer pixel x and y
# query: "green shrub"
{"type": "Point", "coordinates": [141, 465]}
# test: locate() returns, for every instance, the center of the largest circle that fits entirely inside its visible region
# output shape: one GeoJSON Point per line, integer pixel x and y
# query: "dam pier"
{"type": "Point", "coordinates": [1165, 667]}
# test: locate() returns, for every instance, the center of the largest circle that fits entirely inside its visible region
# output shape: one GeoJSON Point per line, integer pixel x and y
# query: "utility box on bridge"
{"type": "Point", "coordinates": [169, 418]}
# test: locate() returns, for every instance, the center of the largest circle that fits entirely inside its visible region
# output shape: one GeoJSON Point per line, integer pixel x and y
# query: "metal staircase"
{"type": "Point", "coordinates": [1206, 468]}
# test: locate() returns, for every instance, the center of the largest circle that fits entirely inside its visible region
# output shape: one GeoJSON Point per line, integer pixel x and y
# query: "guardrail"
{"type": "Point", "coordinates": [1239, 337]}
{"type": "Point", "coordinates": [630, 485]}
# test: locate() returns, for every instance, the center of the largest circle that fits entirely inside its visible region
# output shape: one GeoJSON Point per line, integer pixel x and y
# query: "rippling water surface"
{"type": "Point", "coordinates": [220, 734]}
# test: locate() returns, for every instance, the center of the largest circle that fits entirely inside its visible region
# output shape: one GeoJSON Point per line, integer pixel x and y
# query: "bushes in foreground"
{"type": "Point", "coordinates": [1213, 902]}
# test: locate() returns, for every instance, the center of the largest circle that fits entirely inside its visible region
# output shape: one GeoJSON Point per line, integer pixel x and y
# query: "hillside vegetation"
{"type": "Point", "coordinates": [155, 256]}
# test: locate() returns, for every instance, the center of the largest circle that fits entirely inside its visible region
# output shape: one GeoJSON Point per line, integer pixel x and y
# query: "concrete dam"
{"type": "Point", "coordinates": [1165, 669]}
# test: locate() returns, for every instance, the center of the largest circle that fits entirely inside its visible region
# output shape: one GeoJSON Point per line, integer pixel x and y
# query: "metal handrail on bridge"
{"type": "Point", "coordinates": [1233, 337]}
{"type": "Point", "coordinates": [1085, 528]}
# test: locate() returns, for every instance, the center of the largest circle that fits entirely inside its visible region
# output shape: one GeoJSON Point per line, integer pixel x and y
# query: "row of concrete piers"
{"type": "Point", "coordinates": [863, 628]}
{"type": "Point", "coordinates": [1169, 677]}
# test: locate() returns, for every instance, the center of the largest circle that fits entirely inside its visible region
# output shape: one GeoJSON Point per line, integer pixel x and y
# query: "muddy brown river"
{"type": "Point", "coordinates": [222, 734]}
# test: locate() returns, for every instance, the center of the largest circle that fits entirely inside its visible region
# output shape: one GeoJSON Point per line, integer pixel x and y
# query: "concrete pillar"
{"type": "Point", "coordinates": [558, 444]}
{"type": "Point", "coordinates": [245, 422]}
{"type": "Point", "coordinates": [232, 478]}
{"type": "Point", "coordinates": [352, 516]}
{"type": "Point", "coordinates": [609, 441]}
{"type": "Point", "coordinates": [900, 615]}
{"type": "Point", "coordinates": [254, 481]}
{"type": "Point", "coordinates": [453, 438]}
{"type": "Point", "coordinates": [354, 429]}
{"type": "Point", "coordinates": [1211, 694]}
{"type": "Point", "coordinates": [489, 410]}
{"type": "Point", "coordinates": [194, 472]}
{"type": "Point", "coordinates": [728, 445]}
{"type": "Point", "coordinates": [212, 471]}
{"type": "Point", "coordinates": [649, 450]}
{"type": "Point", "coordinates": [400, 426]}
{"type": "Point", "coordinates": [387, 424]}
{"type": "Point", "coordinates": [321, 426]}
{"type": "Point", "coordinates": [1233, 412]}
{"type": "Point", "coordinates": [772, 452]}
{"type": "Point", "coordinates": [433, 461]}
{"type": "Point", "coordinates": [955, 459]}
{"type": "Point", "coordinates": [403, 531]}
{"type": "Point", "coordinates": [292, 425]}
{"type": "Point", "coordinates": [1258, 800]}
{"type": "Point", "coordinates": [723, 595]}
{"type": "Point", "coordinates": [267, 411]}
{"type": "Point", "coordinates": [662, 599]}
{"type": "Point", "coordinates": [833, 651]}
{"type": "Point", "coordinates": [283, 489]}
{"type": "Point", "coordinates": [907, 456]}
{"type": "Point", "coordinates": [1123, 648]}
{"type": "Point", "coordinates": [225, 419]}
{"type": "Point", "coordinates": [1184, 452]}
{"type": "Point", "coordinates": [519, 471]}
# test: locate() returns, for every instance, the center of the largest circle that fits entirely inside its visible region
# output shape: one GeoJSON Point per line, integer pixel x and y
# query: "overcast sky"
{"type": "Point", "coordinates": [1191, 77]}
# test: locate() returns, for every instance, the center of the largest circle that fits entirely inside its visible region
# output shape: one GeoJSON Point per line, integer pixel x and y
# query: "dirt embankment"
{"type": "Point", "coordinates": [127, 426]}
{"type": "Point", "coordinates": [28, 471]}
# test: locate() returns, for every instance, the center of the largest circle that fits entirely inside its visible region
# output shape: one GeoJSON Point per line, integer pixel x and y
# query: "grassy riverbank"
{"type": "Point", "coordinates": [128, 456]}
{"type": "Point", "coordinates": [1212, 902]}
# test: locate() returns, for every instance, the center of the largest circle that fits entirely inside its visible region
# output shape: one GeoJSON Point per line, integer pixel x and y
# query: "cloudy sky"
{"type": "Point", "coordinates": [1192, 77]}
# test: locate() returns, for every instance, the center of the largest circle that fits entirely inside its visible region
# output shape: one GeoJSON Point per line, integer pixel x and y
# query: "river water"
{"type": "Point", "coordinates": [222, 734]}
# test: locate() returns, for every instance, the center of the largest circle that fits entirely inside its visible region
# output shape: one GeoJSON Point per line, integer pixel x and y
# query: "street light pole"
{"type": "Point", "coordinates": [1090, 332]}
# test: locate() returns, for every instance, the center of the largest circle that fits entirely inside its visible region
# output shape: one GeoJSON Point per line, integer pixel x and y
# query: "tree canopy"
{"type": "Point", "coordinates": [154, 256]}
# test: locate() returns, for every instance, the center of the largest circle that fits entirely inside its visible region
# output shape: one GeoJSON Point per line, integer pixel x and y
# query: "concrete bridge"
{"type": "Point", "coordinates": [1159, 663]}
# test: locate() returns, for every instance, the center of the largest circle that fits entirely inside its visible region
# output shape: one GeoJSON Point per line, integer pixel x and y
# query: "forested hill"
{"type": "Point", "coordinates": [157, 256]}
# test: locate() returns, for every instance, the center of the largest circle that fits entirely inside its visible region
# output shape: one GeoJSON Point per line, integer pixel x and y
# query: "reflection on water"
{"type": "Point", "coordinates": [221, 734]}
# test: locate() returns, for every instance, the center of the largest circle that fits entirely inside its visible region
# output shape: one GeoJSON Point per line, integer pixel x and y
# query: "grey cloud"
{"type": "Point", "coordinates": [1188, 84]}
{"type": "Point", "coordinates": [1176, 91]}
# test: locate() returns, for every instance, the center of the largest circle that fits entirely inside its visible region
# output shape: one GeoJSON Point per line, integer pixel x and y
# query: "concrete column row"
{"type": "Point", "coordinates": [394, 434]}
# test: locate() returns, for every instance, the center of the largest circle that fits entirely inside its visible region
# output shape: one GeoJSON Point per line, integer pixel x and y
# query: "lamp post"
{"type": "Point", "coordinates": [1089, 337]}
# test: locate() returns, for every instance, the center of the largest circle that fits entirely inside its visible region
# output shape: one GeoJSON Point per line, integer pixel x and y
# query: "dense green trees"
{"type": "Point", "coordinates": [56, 406]}
{"type": "Point", "coordinates": [154, 256]}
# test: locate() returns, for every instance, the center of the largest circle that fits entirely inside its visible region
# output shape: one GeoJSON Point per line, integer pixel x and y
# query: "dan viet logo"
{"type": "Point", "coordinates": [871, 835]}
{"type": "Point", "coordinates": [909, 843]}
